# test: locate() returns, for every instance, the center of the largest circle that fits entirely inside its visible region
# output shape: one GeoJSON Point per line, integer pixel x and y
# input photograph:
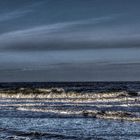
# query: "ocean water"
{"type": "Point", "coordinates": [68, 128]}
{"type": "Point", "coordinates": [55, 116]}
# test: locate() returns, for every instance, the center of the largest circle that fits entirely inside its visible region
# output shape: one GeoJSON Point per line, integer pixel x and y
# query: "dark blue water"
{"type": "Point", "coordinates": [70, 128]}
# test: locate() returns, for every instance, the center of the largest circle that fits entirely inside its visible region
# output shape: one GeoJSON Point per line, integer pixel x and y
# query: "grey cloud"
{"type": "Point", "coordinates": [46, 34]}
{"type": "Point", "coordinates": [50, 40]}
{"type": "Point", "coordinates": [13, 15]}
{"type": "Point", "coordinates": [72, 35]}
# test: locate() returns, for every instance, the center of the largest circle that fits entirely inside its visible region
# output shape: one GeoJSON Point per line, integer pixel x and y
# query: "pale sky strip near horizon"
{"type": "Point", "coordinates": [69, 40]}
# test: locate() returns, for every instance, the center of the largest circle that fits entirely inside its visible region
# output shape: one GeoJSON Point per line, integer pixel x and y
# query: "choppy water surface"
{"type": "Point", "coordinates": [71, 112]}
{"type": "Point", "coordinates": [68, 128]}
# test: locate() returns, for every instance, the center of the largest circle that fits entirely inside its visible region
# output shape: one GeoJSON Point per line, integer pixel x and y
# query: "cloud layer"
{"type": "Point", "coordinates": [70, 35]}
{"type": "Point", "coordinates": [54, 40]}
{"type": "Point", "coordinates": [53, 30]}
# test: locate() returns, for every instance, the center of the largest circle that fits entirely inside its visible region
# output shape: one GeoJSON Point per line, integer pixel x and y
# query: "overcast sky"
{"type": "Point", "coordinates": [69, 40]}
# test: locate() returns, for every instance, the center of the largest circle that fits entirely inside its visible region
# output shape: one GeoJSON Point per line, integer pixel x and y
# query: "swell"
{"type": "Point", "coordinates": [56, 102]}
